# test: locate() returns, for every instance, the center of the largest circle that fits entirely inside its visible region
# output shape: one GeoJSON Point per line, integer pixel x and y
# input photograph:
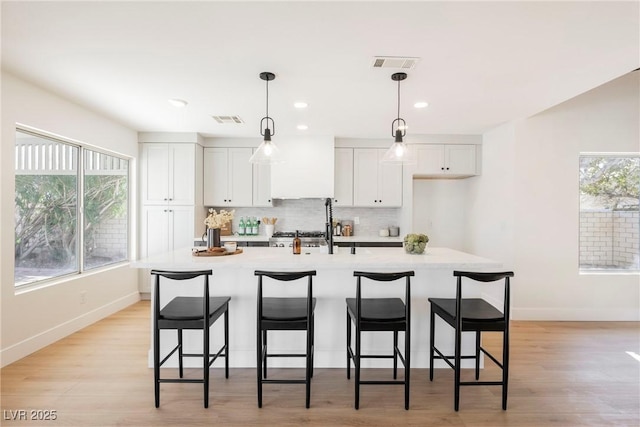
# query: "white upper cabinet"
{"type": "Point", "coordinates": [228, 177]}
{"type": "Point", "coordinates": [169, 174]}
{"type": "Point", "coordinates": [375, 183]}
{"type": "Point", "coordinates": [445, 160]}
{"type": "Point", "coordinates": [262, 185]}
{"type": "Point", "coordinates": [343, 183]}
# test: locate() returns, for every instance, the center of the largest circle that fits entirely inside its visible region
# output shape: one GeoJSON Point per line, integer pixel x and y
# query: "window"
{"type": "Point", "coordinates": [54, 180]}
{"type": "Point", "coordinates": [609, 212]}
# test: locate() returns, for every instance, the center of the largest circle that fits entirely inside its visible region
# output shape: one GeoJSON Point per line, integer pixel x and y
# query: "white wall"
{"type": "Point", "coordinates": [539, 238]}
{"type": "Point", "coordinates": [33, 319]}
{"type": "Point", "coordinates": [440, 211]}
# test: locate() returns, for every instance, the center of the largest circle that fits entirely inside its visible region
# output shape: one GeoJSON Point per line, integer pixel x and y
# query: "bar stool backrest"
{"type": "Point", "coordinates": [286, 276]}
{"type": "Point", "coordinates": [484, 278]}
{"type": "Point", "coordinates": [383, 277]}
{"type": "Point", "coordinates": [179, 276]}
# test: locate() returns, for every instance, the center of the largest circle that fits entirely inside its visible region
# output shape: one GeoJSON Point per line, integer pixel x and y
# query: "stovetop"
{"type": "Point", "coordinates": [301, 234]}
{"type": "Point", "coordinates": [307, 238]}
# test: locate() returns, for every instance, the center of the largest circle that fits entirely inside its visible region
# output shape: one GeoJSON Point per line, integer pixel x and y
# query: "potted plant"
{"type": "Point", "coordinates": [415, 243]}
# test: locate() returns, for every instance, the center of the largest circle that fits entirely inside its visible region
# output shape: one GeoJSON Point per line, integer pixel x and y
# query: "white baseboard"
{"type": "Point", "coordinates": [577, 314]}
{"type": "Point", "coordinates": [43, 339]}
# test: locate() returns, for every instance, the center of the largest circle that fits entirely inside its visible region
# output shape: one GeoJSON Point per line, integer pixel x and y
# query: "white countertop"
{"type": "Point", "coordinates": [311, 258]}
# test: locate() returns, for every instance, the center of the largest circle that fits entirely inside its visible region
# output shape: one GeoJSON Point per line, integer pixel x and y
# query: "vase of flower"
{"type": "Point", "coordinates": [214, 221]}
{"type": "Point", "coordinates": [213, 238]}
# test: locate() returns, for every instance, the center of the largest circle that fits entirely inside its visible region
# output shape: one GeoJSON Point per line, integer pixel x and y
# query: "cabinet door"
{"type": "Point", "coordinates": [460, 159]}
{"type": "Point", "coordinates": [155, 233]}
{"type": "Point", "coordinates": [365, 177]}
{"type": "Point", "coordinates": [262, 185]}
{"type": "Point", "coordinates": [389, 183]}
{"type": "Point", "coordinates": [181, 227]}
{"type": "Point", "coordinates": [343, 184]}
{"type": "Point", "coordinates": [430, 160]}
{"type": "Point", "coordinates": [166, 228]}
{"type": "Point", "coordinates": [182, 158]}
{"type": "Point", "coordinates": [216, 177]}
{"type": "Point", "coordinates": [155, 173]}
{"type": "Point", "coordinates": [240, 183]}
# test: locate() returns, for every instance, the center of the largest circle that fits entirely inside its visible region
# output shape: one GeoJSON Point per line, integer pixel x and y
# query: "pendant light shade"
{"type": "Point", "coordinates": [399, 152]}
{"type": "Point", "coordinates": [267, 152]}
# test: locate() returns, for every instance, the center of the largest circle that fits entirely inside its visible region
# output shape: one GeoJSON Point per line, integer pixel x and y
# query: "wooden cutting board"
{"type": "Point", "coordinates": [205, 252]}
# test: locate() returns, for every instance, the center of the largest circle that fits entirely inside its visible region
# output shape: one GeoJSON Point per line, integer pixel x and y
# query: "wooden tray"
{"type": "Point", "coordinates": [204, 252]}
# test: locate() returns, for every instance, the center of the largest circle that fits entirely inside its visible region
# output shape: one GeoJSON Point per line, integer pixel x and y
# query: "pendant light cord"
{"type": "Point", "coordinates": [267, 99]}
{"type": "Point", "coordinates": [398, 99]}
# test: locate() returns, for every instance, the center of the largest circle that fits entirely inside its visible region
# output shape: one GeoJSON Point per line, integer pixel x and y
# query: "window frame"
{"type": "Point", "coordinates": [80, 209]}
{"type": "Point", "coordinates": [601, 271]}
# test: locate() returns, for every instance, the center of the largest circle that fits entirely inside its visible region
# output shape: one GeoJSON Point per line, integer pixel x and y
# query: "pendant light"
{"type": "Point", "coordinates": [267, 152]}
{"type": "Point", "coordinates": [399, 152]}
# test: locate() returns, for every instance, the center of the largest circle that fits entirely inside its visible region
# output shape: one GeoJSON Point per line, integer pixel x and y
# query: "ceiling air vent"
{"type": "Point", "coordinates": [401, 62]}
{"type": "Point", "coordinates": [228, 120]}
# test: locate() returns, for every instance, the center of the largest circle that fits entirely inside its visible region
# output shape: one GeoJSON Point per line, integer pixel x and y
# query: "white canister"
{"type": "Point", "coordinates": [268, 229]}
{"type": "Point", "coordinates": [384, 232]}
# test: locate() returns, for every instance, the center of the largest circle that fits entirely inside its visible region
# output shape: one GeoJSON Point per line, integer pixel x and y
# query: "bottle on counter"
{"type": "Point", "coordinates": [254, 226]}
{"type": "Point", "coordinates": [297, 245]}
{"type": "Point", "coordinates": [241, 227]}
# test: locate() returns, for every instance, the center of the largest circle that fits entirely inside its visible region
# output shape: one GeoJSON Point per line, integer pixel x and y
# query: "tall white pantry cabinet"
{"type": "Point", "coordinates": [172, 212]}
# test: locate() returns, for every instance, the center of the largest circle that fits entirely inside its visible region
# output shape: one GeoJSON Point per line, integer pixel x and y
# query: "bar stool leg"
{"type": "Point", "coordinates": [259, 364]}
{"type": "Point", "coordinates": [308, 367]}
{"type": "Point", "coordinates": [505, 367]}
{"type": "Point", "coordinates": [205, 365]}
{"type": "Point", "coordinates": [313, 341]}
{"type": "Point", "coordinates": [356, 362]}
{"type": "Point", "coordinates": [395, 355]}
{"type": "Point", "coordinates": [156, 364]}
{"type": "Point", "coordinates": [431, 344]}
{"type": "Point", "coordinates": [478, 342]}
{"type": "Point", "coordinates": [265, 354]}
{"type": "Point", "coordinates": [226, 343]}
{"type": "Point", "coordinates": [348, 345]}
{"type": "Point", "coordinates": [457, 355]}
{"type": "Point", "coordinates": [407, 368]}
{"type": "Point", "coordinates": [180, 352]}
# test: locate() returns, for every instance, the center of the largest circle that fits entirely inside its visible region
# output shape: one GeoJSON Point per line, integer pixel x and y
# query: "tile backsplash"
{"type": "Point", "coordinates": [309, 215]}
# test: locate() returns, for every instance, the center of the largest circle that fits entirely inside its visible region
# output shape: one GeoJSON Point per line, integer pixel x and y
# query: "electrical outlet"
{"type": "Point", "coordinates": [356, 220]}
{"type": "Point", "coordinates": [83, 297]}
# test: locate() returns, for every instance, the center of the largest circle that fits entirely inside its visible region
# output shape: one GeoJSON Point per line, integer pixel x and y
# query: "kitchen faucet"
{"type": "Point", "coordinates": [329, 226]}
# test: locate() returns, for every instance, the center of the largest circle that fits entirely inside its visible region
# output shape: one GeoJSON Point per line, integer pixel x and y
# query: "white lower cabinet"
{"type": "Point", "coordinates": [374, 183]}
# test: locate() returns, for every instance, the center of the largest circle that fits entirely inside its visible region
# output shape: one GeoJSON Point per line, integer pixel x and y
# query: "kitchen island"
{"type": "Point", "coordinates": [233, 276]}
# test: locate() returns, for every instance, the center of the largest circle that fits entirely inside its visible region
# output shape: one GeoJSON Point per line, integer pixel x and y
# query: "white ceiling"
{"type": "Point", "coordinates": [482, 63]}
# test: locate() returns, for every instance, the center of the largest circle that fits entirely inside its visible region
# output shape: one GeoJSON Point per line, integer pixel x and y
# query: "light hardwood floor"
{"type": "Point", "coordinates": [562, 374]}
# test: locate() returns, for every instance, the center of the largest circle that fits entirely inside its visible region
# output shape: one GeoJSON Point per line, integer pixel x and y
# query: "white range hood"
{"type": "Point", "coordinates": [307, 170]}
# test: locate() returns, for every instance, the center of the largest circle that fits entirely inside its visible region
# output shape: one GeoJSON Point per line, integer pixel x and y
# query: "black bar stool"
{"type": "Point", "coordinates": [188, 313]}
{"type": "Point", "coordinates": [380, 314]}
{"type": "Point", "coordinates": [474, 315]}
{"type": "Point", "coordinates": [285, 314]}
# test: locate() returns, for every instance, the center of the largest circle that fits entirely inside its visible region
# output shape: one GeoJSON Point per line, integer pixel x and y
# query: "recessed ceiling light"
{"type": "Point", "coordinates": [178, 103]}
{"type": "Point", "coordinates": [302, 127]}
{"type": "Point", "coordinates": [421, 104]}
{"type": "Point", "coordinates": [300, 104]}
